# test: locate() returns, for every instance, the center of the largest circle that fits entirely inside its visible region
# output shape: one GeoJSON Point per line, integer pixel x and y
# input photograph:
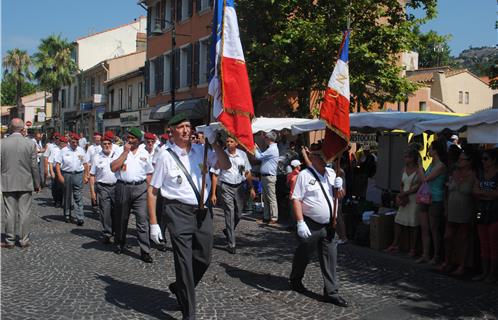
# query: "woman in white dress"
{"type": "Point", "coordinates": [406, 216]}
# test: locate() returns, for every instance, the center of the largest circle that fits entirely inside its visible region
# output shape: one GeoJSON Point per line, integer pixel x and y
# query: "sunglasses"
{"type": "Point", "coordinates": [106, 143]}
{"type": "Point", "coordinates": [151, 141]}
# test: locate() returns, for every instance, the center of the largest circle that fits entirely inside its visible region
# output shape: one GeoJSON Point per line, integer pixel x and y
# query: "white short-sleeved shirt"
{"type": "Point", "coordinates": [308, 191]}
{"type": "Point", "coordinates": [71, 160]}
{"type": "Point", "coordinates": [53, 154]}
{"type": "Point", "coordinates": [169, 178]}
{"type": "Point", "coordinates": [95, 149]}
{"type": "Point", "coordinates": [101, 168]}
{"type": "Point", "coordinates": [240, 165]}
{"type": "Point", "coordinates": [136, 167]}
{"type": "Point", "coordinates": [48, 149]}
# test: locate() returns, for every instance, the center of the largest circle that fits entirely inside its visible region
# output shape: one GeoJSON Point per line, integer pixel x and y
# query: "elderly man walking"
{"type": "Point", "coordinates": [20, 177]}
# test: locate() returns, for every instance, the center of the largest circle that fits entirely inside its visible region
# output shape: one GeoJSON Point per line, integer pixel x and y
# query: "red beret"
{"type": "Point", "coordinates": [63, 139]}
{"type": "Point", "coordinates": [165, 136]}
{"type": "Point", "coordinates": [108, 136]}
{"type": "Point", "coordinates": [149, 136]}
{"type": "Point", "coordinates": [97, 134]}
{"type": "Point", "coordinates": [74, 135]}
{"type": "Point", "coordinates": [56, 134]}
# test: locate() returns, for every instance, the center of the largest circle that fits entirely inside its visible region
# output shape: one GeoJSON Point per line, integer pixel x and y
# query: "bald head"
{"type": "Point", "coordinates": [16, 125]}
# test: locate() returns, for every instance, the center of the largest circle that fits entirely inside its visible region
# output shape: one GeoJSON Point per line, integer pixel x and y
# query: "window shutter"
{"type": "Point", "coordinates": [161, 16]}
{"type": "Point", "coordinates": [173, 15]}
{"type": "Point", "coordinates": [196, 61]}
{"type": "Point", "coordinates": [190, 5]}
{"type": "Point", "coordinates": [177, 68]}
{"type": "Point", "coordinates": [149, 17]}
{"type": "Point", "coordinates": [160, 74]}
{"type": "Point", "coordinates": [198, 5]}
{"type": "Point", "coordinates": [146, 77]}
{"type": "Point", "coordinates": [189, 65]}
{"type": "Point", "coordinates": [179, 10]}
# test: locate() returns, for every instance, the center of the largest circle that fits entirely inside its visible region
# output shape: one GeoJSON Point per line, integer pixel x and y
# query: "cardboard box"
{"type": "Point", "coordinates": [381, 231]}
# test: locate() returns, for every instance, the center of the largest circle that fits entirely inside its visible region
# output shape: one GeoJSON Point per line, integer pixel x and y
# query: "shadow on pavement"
{"type": "Point", "coordinates": [54, 217]}
{"type": "Point", "coordinates": [264, 282]}
{"type": "Point", "coordinates": [44, 202]}
{"type": "Point", "coordinates": [147, 301]}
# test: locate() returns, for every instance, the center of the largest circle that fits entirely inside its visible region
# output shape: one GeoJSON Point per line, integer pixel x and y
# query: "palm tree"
{"type": "Point", "coordinates": [16, 64]}
{"type": "Point", "coordinates": [55, 66]}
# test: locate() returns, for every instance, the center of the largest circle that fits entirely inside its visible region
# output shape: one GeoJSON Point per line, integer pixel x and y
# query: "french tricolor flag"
{"type": "Point", "coordinates": [335, 106]}
{"type": "Point", "coordinates": [229, 84]}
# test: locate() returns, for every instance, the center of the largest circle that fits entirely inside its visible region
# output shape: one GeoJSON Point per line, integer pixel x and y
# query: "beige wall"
{"type": "Point", "coordinates": [135, 82]}
{"type": "Point", "coordinates": [480, 95]}
{"type": "Point", "coordinates": [125, 64]}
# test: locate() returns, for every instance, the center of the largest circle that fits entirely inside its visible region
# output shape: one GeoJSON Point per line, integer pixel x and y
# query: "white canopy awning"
{"type": "Point", "coordinates": [489, 116]}
{"type": "Point", "coordinates": [262, 124]}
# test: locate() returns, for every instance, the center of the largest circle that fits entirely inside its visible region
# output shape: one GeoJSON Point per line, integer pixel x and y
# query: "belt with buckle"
{"type": "Point", "coordinates": [267, 175]}
{"type": "Point", "coordinates": [106, 184]}
{"type": "Point", "coordinates": [236, 185]}
{"type": "Point", "coordinates": [134, 183]}
{"type": "Point", "coordinates": [72, 172]}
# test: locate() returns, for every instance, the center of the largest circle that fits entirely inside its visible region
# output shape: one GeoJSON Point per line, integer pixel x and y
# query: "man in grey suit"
{"type": "Point", "coordinates": [20, 177]}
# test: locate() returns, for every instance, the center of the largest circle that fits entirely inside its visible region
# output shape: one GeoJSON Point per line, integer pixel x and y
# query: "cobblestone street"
{"type": "Point", "coordinates": [68, 273]}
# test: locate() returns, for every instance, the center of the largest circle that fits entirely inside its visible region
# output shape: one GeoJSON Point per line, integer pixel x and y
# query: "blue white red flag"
{"type": "Point", "coordinates": [335, 106]}
{"type": "Point", "coordinates": [229, 84]}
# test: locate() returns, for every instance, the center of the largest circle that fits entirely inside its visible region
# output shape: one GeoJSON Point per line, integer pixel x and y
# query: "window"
{"type": "Point", "coordinates": [111, 99]}
{"type": "Point", "coordinates": [140, 94]}
{"type": "Point", "coordinates": [75, 101]}
{"type": "Point", "coordinates": [460, 96]}
{"type": "Point", "coordinates": [422, 106]}
{"type": "Point", "coordinates": [152, 68]}
{"type": "Point", "coordinates": [167, 13]}
{"type": "Point", "coordinates": [185, 66]}
{"type": "Point", "coordinates": [183, 9]}
{"type": "Point", "coordinates": [130, 96]}
{"type": "Point", "coordinates": [201, 61]}
{"type": "Point", "coordinates": [202, 5]}
{"type": "Point", "coordinates": [120, 97]}
{"type": "Point", "coordinates": [167, 72]}
{"type": "Point", "coordinates": [69, 97]}
{"type": "Point", "coordinates": [466, 97]}
{"type": "Point", "coordinates": [97, 89]}
{"type": "Point", "coordinates": [157, 17]}
{"type": "Point", "coordinates": [92, 86]}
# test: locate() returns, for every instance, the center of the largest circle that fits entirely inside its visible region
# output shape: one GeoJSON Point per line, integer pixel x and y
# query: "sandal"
{"type": "Point", "coordinates": [392, 249]}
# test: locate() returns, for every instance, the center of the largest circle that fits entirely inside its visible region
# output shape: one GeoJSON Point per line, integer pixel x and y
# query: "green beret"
{"type": "Point", "coordinates": [178, 118]}
{"type": "Point", "coordinates": [137, 133]}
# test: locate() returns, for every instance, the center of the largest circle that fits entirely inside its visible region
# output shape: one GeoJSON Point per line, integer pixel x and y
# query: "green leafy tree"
{"type": "Point", "coordinates": [493, 75]}
{"type": "Point", "coordinates": [291, 46]}
{"type": "Point", "coordinates": [16, 64]}
{"type": "Point", "coordinates": [9, 90]}
{"type": "Point", "coordinates": [433, 49]}
{"type": "Point", "coordinates": [55, 67]}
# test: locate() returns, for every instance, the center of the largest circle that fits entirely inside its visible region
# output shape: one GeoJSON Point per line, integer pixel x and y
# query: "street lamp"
{"type": "Point", "coordinates": [172, 59]}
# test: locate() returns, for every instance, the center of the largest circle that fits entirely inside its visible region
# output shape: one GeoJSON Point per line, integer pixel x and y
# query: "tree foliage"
{"type": "Point", "coordinates": [9, 92]}
{"type": "Point", "coordinates": [493, 75]}
{"type": "Point", "coordinates": [16, 64]}
{"type": "Point", "coordinates": [433, 49]}
{"type": "Point", "coordinates": [54, 64]}
{"type": "Point", "coordinates": [291, 46]}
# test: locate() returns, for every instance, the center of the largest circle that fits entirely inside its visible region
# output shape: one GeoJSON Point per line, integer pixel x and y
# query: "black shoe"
{"type": "Point", "coordinates": [297, 285]}
{"type": "Point", "coordinates": [161, 247]}
{"type": "Point", "coordinates": [67, 219]}
{"type": "Point", "coordinates": [338, 301]}
{"type": "Point", "coordinates": [79, 222]}
{"type": "Point", "coordinates": [119, 249]}
{"type": "Point", "coordinates": [172, 287]}
{"type": "Point", "coordinates": [146, 257]}
{"type": "Point", "coordinates": [231, 250]}
{"type": "Point", "coordinates": [106, 239]}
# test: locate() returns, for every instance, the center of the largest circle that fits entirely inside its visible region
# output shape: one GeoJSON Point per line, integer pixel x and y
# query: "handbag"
{"type": "Point", "coordinates": [199, 210]}
{"type": "Point", "coordinates": [424, 194]}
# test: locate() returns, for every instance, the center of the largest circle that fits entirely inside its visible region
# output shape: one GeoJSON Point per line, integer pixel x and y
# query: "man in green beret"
{"type": "Point", "coordinates": [133, 168]}
{"type": "Point", "coordinates": [178, 177]}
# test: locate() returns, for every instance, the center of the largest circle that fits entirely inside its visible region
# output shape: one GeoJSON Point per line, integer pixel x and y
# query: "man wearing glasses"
{"type": "Point", "coordinates": [105, 181]}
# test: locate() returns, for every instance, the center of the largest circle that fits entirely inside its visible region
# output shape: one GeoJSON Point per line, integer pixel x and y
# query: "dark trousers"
{"type": "Point", "coordinates": [105, 199]}
{"type": "Point", "coordinates": [321, 239]}
{"type": "Point", "coordinates": [57, 191]}
{"type": "Point", "coordinates": [131, 199]}
{"type": "Point", "coordinates": [192, 241]}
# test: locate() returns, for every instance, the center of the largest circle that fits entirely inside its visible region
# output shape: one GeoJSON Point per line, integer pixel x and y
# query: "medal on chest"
{"type": "Point", "coordinates": [179, 180]}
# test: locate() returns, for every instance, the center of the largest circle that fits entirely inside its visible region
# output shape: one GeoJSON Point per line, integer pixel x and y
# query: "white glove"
{"type": "Point", "coordinates": [210, 134]}
{"type": "Point", "coordinates": [338, 183]}
{"type": "Point", "coordinates": [302, 229]}
{"type": "Point", "coordinates": [155, 233]}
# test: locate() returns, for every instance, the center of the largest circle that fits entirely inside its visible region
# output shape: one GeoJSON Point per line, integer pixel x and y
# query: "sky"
{"type": "Point", "coordinates": [25, 22]}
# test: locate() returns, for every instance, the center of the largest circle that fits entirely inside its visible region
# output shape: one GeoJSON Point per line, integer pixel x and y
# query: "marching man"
{"type": "Point", "coordinates": [70, 164]}
{"type": "Point", "coordinates": [133, 168]}
{"type": "Point", "coordinates": [104, 181]}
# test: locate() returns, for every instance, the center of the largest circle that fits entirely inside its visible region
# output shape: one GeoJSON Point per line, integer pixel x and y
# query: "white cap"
{"type": "Point", "coordinates": [295, 163]}
{"type": "Point", "coordinates": [454, 137]}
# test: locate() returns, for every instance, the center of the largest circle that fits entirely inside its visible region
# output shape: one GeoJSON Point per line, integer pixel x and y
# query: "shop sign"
{"type": "Point", "coordinates": [130, 119]}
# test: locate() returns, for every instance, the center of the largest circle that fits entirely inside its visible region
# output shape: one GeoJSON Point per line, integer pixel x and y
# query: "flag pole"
{"type": "Point", "coordinates": [204, 161]}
